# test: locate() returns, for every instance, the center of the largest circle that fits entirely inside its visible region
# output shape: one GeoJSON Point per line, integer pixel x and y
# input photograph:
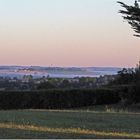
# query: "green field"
{"type": "Point", "coordinates": [68, 124]}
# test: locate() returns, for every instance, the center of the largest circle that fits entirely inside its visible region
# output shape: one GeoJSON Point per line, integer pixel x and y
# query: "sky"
{"type": "Point", "coordinates": [66, 33]}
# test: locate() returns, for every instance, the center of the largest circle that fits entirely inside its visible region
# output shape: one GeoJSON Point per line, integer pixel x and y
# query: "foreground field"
{"type": "Point", "coordinates": [68, 124]}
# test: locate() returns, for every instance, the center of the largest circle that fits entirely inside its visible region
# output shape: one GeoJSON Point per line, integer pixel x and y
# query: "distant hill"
{"type": "Point", "coordinates": [65, 72]}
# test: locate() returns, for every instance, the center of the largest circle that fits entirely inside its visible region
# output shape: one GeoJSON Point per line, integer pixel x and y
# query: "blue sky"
{"type": "Point", "coordinates": [61, 9]}
{"type": "Point", "coordinates": [58, 11]}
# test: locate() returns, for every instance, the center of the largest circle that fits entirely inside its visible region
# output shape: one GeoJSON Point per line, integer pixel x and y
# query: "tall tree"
{"type": "Point", "coordinates": [132, 15]}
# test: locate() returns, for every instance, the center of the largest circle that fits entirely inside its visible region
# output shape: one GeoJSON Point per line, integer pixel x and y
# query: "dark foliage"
{"type": "Point", "coordinates": [57, 99]}
{"type": "Point", "coordinates": [128, 83]}
{"type": "Point", "coordinates": [132, 15]}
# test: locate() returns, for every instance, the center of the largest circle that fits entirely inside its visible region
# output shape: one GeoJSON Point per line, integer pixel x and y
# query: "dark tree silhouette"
{"type": "Point", "coordinates": [132, 15]}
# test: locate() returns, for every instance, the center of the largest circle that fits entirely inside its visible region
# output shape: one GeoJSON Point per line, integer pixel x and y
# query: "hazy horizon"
{"type": "Point", "coordinates": [63, 66]}
{"type": "Point", "coordinates": [66, 33]}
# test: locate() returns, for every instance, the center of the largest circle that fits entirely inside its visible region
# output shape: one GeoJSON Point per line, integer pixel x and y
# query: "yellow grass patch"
{"type": "Point", "coordinates": [68, 130]}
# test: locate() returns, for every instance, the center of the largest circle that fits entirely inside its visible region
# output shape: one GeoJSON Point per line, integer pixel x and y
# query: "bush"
{"type": "Point", "coordinates": [57, 99]}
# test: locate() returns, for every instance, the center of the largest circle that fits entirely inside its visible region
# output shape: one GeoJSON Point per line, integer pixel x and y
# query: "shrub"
{"type": "Point", "coordinates": [57, 99]}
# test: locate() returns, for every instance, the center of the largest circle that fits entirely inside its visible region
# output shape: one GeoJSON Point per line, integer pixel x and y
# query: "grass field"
{"type": "Point", "coordinates": [68, 124]}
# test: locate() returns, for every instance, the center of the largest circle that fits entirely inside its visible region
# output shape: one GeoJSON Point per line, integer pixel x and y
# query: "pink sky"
{"type": "Point", "coordinates": [101, 40]}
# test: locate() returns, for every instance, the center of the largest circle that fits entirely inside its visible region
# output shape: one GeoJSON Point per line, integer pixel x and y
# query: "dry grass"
{"type": "Point", "coordinates": [66, 124]}
{"type": "Point", "coordinates": [68, 130]}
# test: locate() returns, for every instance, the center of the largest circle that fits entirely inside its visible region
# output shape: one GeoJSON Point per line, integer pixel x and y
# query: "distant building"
{"type": "Point", "coordinates": [27, 78]}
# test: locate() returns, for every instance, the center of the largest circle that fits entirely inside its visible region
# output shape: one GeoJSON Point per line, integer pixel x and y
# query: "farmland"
{"type": "Point", "coordinates": [68, 124]}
